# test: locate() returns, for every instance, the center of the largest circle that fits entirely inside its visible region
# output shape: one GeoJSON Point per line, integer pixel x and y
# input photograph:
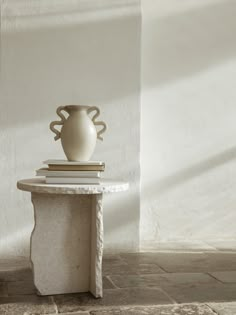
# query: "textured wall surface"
{"type": "Point", "coordinates": [188, 139]}
{"type": "Point", "coordinates": [69, 52]}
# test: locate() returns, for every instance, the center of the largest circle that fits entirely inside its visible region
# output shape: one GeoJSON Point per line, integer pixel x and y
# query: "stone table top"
{"type": "Point", "coordinates": [38, 185]}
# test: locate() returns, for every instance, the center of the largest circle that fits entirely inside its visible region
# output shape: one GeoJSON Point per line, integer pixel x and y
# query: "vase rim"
{"type": "Point", "coordinates": [82, 107]}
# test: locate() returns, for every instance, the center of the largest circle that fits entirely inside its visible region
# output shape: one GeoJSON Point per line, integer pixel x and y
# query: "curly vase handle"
{"type": "Point", "coordinates": [97, 123]}
{"type": "Point", "coordinates": [61, 122]}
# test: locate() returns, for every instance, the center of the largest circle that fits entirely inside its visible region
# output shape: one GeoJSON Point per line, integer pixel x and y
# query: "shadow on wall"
{"type": "Point", "coordinates": [182, 53]}
{"type": "Point", "coordinates": [193, 203]}
{"type": "Point", "coordinates": [184, 175]}
{"type": "Point", "coordinates": [207, 41]}
{"type": "Point", "coordinates": [68, 64]}
{"type": "Point", "coordinates": [188, 42]}
{"type": "Point", "coordinates": [72, 59]}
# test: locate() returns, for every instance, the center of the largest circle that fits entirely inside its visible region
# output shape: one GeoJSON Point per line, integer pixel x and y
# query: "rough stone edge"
{"type": "Point", "coordinates": [33, 196]}
{"type": "Point", "coordinates": [41, 187]}
{"type": "Point", "coordinates": [96, 247]}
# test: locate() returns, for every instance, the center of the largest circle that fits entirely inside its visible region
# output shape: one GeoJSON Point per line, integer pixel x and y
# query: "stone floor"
{"type": "Point", "coordinates": [160, 283]}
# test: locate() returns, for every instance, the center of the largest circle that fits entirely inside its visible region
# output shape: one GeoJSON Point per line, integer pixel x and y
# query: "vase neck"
{"type": "Point", "coordinates": [76, 108]}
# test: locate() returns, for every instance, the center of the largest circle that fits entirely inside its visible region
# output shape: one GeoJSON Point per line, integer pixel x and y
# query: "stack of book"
{"type": "Point", "coordinates": [66, 172]}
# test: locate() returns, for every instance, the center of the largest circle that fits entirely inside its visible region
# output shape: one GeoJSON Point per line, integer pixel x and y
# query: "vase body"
{"type": "Point", "coordinates": [78, 134]}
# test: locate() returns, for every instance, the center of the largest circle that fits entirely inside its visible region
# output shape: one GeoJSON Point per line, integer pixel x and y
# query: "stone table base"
{"type": "Point", "coordinates": [67, 243]}
{"type": "Point", "coordinates": [67, 239]}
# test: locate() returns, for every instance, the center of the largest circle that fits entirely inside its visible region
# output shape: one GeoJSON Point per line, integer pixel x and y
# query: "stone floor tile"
{"type": "Point", "coordinates": [184, 246]}
{"type": "Point", "coordinates": [16, 275]}
{"type": "Point", "coordinates": [14, 264]}
{"type": "Point", "coordinates": [223, 308]}
{"type": "Point", "coordinates": [111, 257]}
{"type": "Point", "coordinates": [221, 261]}
{"type": "Point", "coordinates": [113, 261]}
{"type": "Point", "coordinates": [121, 268]}
{"type": "Point", "coordinates": [21, 288]}
{"type": "Point", "coordinates": [27, 304]}
{"type": "Point", "coordinates": [3, 289]}
{"type": "Point", "coordinates": [182, 262]}
{"type": "Point", "coordinates": [116, 297]}
{"type": "Point", "coordinates": [143, 281]}
{"type": "Point", "coordinates": [202, 293]}
{"type": "Point", "coordinates": [189, 262]}
{"type": "Point", "coordinates": [225, 276]}
{"type": "Point", "coordinates": [229, 245]}
{"type": "Point", "coordinates": [170, 262]}
{"type": "Point", "coordinates": [107, 284]}
{"type": "Point", "coordinates": [145, 269]}
{"type": "Point", "coordinates": [140, 258]}
{"type": "Point", "coordinates": [161, 280]}
{"type": "Point", "coordinates": [159, 310]}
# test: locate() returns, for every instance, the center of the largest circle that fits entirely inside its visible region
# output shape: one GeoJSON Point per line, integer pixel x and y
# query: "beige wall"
{"type": "Point", "coordinates": [77, 51]}
{"type": "Point", "coordinates": [188, 130]}
{"type": "Point", "coordinates": [69, 52]}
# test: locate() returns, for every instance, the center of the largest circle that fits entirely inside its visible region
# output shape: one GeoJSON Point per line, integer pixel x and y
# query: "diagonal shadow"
{"type": "Point", "coordinates": [186, 43]}
{"type": "Point", "coordinates": [190, 172]}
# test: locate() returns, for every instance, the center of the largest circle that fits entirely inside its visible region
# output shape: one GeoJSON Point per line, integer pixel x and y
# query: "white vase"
{"type": "Point", "coordinates": [78, 133]}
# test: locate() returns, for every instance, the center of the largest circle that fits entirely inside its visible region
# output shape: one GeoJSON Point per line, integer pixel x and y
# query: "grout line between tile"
{"type": "Point", "coordinates": [161, 268]}
{"type": "Point", "coordinates": [109, 278]}
{"type": "Point", "coordinates": [6, 288]}
{"type": "Point", "coordinates": [209, 274]}
{"type": "Point", "coordinates": [170, 297]}
{"type": "Point", "coordinates": [214, 312]}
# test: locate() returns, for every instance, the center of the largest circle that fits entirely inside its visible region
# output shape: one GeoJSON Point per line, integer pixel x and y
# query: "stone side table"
{"type": "Point", "coordinates": [67, 240]}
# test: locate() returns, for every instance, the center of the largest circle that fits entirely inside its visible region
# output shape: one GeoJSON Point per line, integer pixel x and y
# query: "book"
{"type": "Point", "coordinates": [66, 162]}
{"type": "Point", "coordinates": [51, 173]}
{"type": "Point", "coordinates": [99, 168]}
{"type": "Point", "coordinates": [72, 180]}
{"type": "Point", "coordinates": [62, 165]}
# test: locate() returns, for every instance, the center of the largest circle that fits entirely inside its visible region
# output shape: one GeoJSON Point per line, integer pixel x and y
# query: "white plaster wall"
{"type": "Point", "coordinates": [68, 52]}
{"type": "Point", "coordinates": [188, 130]}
